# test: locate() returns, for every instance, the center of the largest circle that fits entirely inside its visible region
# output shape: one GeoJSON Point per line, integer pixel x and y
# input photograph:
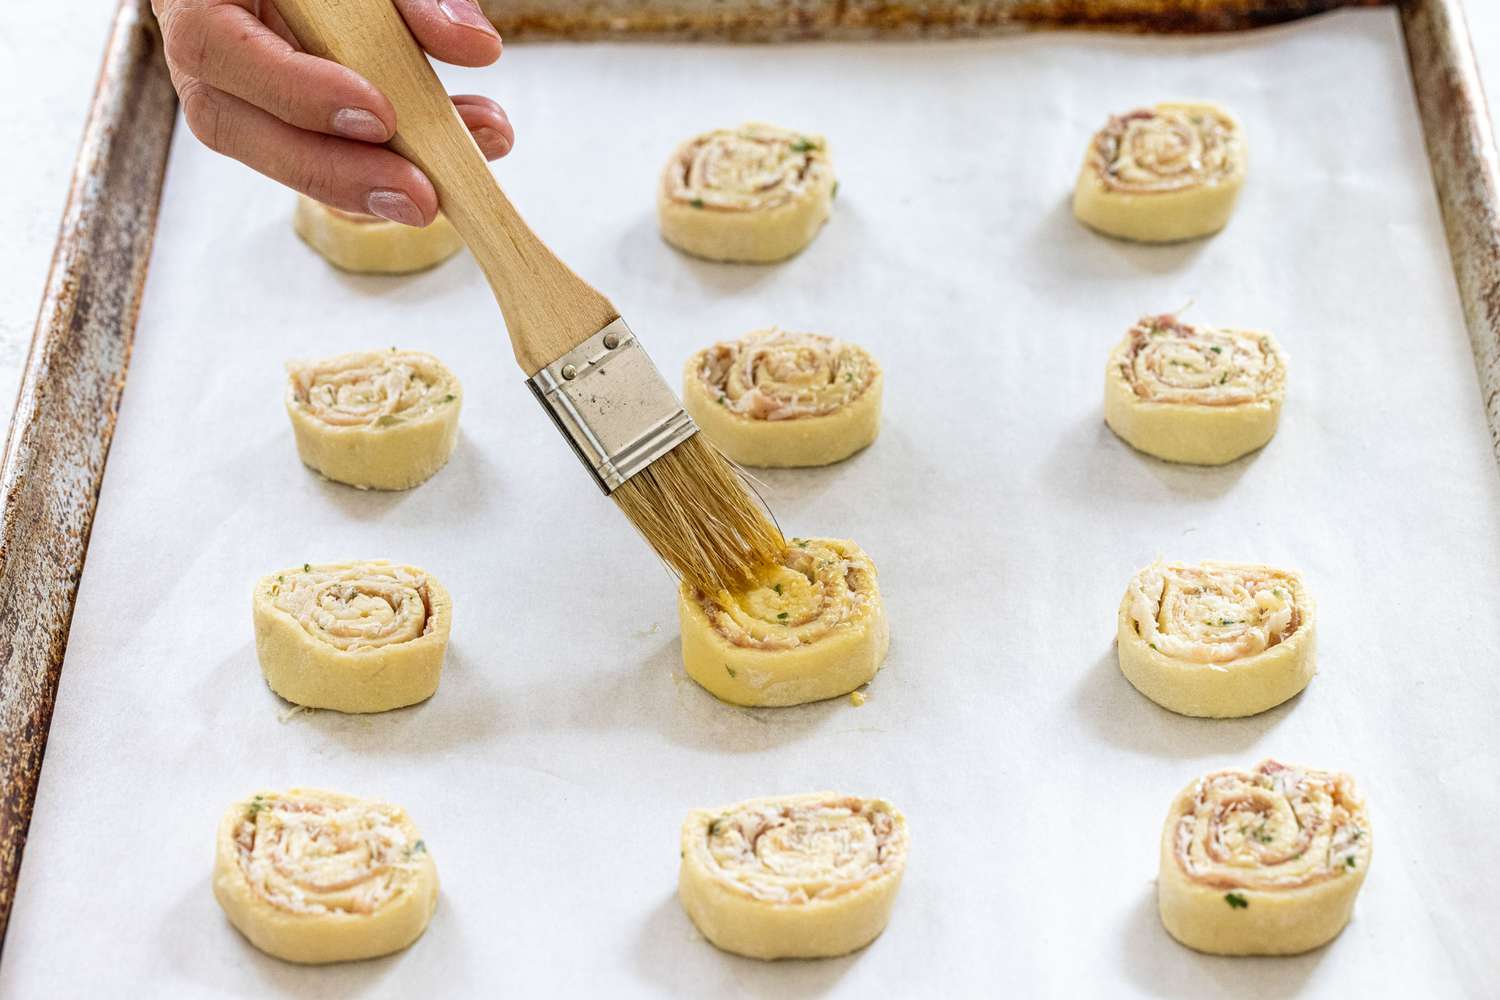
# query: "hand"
{"type": "Point", "coordinates": [248, 91]}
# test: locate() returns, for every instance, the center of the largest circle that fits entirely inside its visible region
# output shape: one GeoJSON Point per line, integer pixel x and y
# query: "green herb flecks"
{"type": "Point", "coordinates": [1236, 901]}
{"type": "Point", "coordinates": [730, 670]}
{"type": "Point", "coordinates": [777, 588]}
{"type": "Point", "coordinates": [387, 420]}
{"type": "Point", "coordinates": [803, 145]}
{"type": "Point", "coordinates": [782, 616]}
{"type": "Point", "coordinates": [696, 203]}
{"type": "Point", "coordinates": [307, 567]}
{"type": "Point", "coordinates": [1349, 861]}
{"type": "Point", "coordinates": [448, 398]}
{"type": "Point", "coordinates": [257, 804]}
{"type": "Point", "coordinates": [835, 192]}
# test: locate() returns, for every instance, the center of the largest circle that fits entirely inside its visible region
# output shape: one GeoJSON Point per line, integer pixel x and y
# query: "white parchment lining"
{"type": "Point", "coordinates": [550, 772]}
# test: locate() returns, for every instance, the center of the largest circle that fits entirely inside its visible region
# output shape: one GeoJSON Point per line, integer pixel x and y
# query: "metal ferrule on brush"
{"type": "Point", "coordinates": [612, 405]}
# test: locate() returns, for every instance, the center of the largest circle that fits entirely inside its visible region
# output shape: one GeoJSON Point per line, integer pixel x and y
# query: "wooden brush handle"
{"type": "Point", "coordinates": [548, 309]}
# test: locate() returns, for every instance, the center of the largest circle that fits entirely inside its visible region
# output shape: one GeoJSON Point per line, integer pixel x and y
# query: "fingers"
{"type": "Point", "coordinates": [488, 123]}
{"type": "Point", "coordinates": [347, 174]}
{"type": "Point", "coordinates": [455, 31]}
{"type": "Point", "coordinates": [228, 48]}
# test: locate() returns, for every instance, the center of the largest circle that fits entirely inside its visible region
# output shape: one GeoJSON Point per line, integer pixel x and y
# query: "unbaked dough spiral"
{"type": "Point", "coordinates": [1217, 639]}
{"type": "Point", "coordinates": [1263, 862]}
{"type": "Point", "coordinates": [1161, 174]}
{"type": "Point", "coordinates": [1199, 395]}
{"type": "Point", "coordinates": [800, 876]}
{"type": "Point", "coordinates": [355, 637]}
{"type": "Point", "coordinates": [315, 876]}
{"type": "Point", "coordinates": [366, 244]}
{"type": "Point", "coordinates": [383, 420]}
{"type": "Point", "coordinates": [757, 193]}
{"type": "Point", "coordinates": [813, 627]}
{"type": "Point", "coordinates": [780, 399]}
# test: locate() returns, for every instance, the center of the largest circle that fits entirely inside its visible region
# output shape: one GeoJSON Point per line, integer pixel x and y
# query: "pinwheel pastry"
{"type": "Point", "coordinates": [313, 876]}
{"type": "Point", "coordinates": [1199, 395]}
{"type": "Point", "coordinates": [782, 399]}
{"type": "Point", "coordinates": [754, 194]}
{"type": "Point", "coordinates": [371, 245]}
{"type": "Point", "coordinates": [797, 876]}
{"type": "Point", "coordinates": [1161, 174]}
{"type": "Point", "coordinates": [383, 420]}
{"type": "Point", "coordinates": [1263, 862]}
{"type": "Point", "coordinates": [1219, 640]}
{"type": "Point", "coordinates": [353, 637]}
{"type": "Point", "coordinates": [810, 628]}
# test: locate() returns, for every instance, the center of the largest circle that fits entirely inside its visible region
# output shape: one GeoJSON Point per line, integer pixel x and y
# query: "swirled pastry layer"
{"type": "Point", "coordinates": [800, 876]}
{"type": "Point", "coordinates": [1171, 172]}
{"type": "Point", "coordinates": [1217, 639]}
{"type": "Point", "coordinates": [755, 194]}
{"type": "Point", "coordinates": [780, 399]}
{"type": "Point", "coordinates": [355, 637]}
{"type": "Point", "coordinates": [384, 420]}
{"type": "Point", "coordinates": [1200, 395]}
{"type": "Point", "coordinates": [1263, 862]}
{"type": "Point", "coordinates": [315, 876]}
{"type": "Point", "coordinates": [369, 245]}
{"type": "Point", "coordinates": [810, 628]}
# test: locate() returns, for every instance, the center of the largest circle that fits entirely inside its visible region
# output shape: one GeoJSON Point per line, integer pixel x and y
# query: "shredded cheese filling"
{"type": "Point", "coordinates": [820, 586]}
{"type": "Point", "coordinates": [1168, 361]}
{"type": "Point", "coordinates": [372, 388]}
{"type": "Point", "coordinates": [747, 169]}
{"type": "Point", "coordinates": [801, 851]}
{"type": "Point", "coordinates": [1276, 827]}
{"type": "Point", "coordinates": [308, 854]}
{"type": "Point", "coordinates": [359, 606]}
{"type": "Point", "coordinates": [775, 375]}
{"type": "Point", "coordinates": [1215, 612]}
{"type": "Point", "coordinates": [1153, 150]}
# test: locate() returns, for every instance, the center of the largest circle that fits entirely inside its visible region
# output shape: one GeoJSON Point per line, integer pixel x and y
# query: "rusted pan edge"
{"type": "Point", "coordinates": [1461, 147]}
{"type": "Point", "coordinates": [65, 412]}
{"type": "Point", "coordinates": [787, 20]}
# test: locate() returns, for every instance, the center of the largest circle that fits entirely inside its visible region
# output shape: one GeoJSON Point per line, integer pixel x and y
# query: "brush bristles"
{"type": "Point", "coordinates": [696, 512]}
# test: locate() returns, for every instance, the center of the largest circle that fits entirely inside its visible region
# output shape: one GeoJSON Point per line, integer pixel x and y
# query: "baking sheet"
{"type": "Point", "coordinates": [551, 771]}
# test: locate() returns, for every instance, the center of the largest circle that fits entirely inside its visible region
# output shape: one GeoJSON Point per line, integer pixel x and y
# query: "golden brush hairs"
{"type": "Point", "coordinates": [780, 399]}
{"type": "Point", "coordinates": [1263, 862]}
{"type": "Point", "coordinates": [1217, 639]}
{"type": "Point", "coordinates": [1198, 395]}
{"type": "Point", "coordinates": [812, 627]}
{"type": "Point", "coordinates": [313, 876]}
{"type": "Point", "coordinates": [795, 876]}
{"type": "Point", "coordinates": [369, 245]}
{"type": "Point", "coordinates": [1162, 174]}
{"type": "Point", "coordinates": [629, 428]}
{"type": "Point", "coordinates": [353, 637]}
{"type": "Point", "coordinates": [384, 420]}
{"type": "Point", "coordinates": [753, 194]}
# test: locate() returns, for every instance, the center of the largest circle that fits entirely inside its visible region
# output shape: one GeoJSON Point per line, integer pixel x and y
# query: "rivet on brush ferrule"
{"type": "Point", "coordinates": [612, 405]}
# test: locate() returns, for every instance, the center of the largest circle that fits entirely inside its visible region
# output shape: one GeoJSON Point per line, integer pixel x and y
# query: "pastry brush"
{"type": "Point", "coordinates": [581, 361]}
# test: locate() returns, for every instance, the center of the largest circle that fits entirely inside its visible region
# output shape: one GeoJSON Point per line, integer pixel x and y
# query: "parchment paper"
{"type": "Point", "coordinates": [552, 769]}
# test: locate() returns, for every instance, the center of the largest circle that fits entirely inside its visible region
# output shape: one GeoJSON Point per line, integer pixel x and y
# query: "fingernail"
{"type": "Point", "coordinates": [465, 13]}
{"type": "Point", "coordinates": [357, 123]}
{"type": "Point", "coordinates": [389, 203]}
{"type": "Point", "coordinates": [492, 140]}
